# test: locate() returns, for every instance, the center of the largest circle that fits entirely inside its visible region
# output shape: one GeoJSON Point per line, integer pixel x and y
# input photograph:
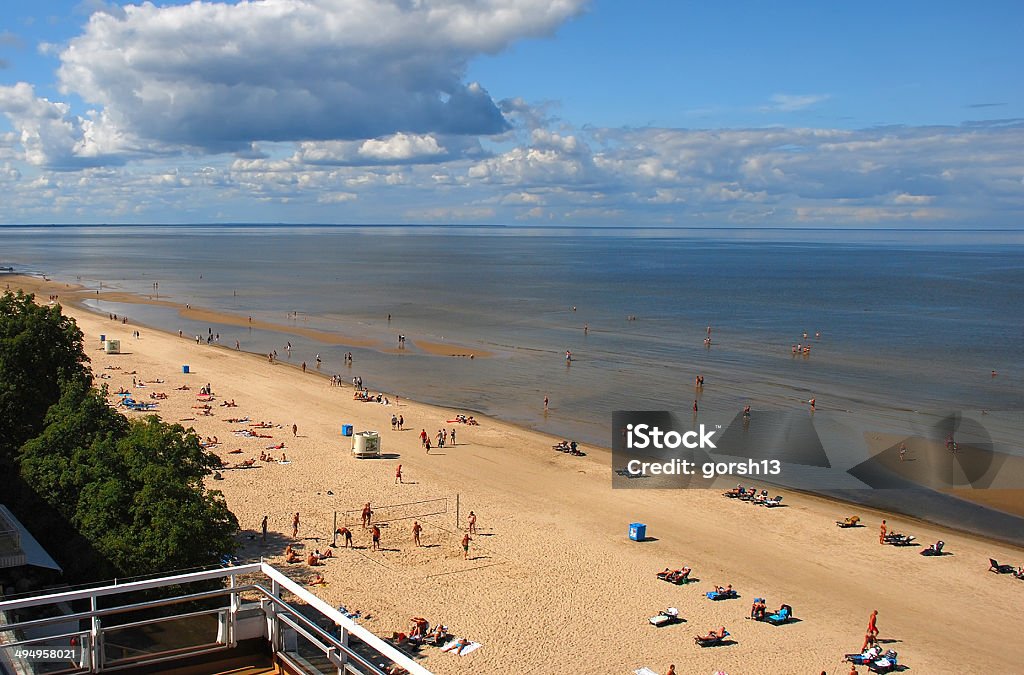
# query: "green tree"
{"type": "Point", "coordinates": [39, 348]}
{"type": "Point", "coordinates": [133, 489]}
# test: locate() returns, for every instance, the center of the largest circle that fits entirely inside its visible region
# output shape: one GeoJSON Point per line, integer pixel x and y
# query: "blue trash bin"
{"type": "Point", "coordinates": [346, 429]}
{"type": "Point", "coordinates": [103, 338]}
{"type": "Point", "coordinates": [184, 369]}
{"type": "Point", "coordinates": [637, 531]}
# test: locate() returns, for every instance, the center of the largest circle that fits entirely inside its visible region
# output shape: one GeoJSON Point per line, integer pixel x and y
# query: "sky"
{"type": "Point", "coordinates": [540, 112]}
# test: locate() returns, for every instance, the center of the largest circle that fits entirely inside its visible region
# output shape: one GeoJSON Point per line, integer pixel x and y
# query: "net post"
{"type": "Point", "coordinates": [457, 510]}
{"type": "Point", "coordinates": [334, 541]}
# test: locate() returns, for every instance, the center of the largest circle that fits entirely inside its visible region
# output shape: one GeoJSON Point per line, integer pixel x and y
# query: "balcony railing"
{"type": "Point", "coordinates": [95, 639]}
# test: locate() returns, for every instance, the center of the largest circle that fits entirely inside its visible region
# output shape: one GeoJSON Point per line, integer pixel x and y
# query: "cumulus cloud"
{"type": "Point", "coordinates": [395, 149]}
{"type": "Point", "coordinates": [52, 136]}
{"type": "Point", "coordinates": [219, 76]}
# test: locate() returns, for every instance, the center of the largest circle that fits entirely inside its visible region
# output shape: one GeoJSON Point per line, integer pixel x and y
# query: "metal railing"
{"type": "Point", "coordinates": [101, 647]}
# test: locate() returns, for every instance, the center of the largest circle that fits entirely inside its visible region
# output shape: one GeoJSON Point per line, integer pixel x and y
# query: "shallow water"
{"type": "Point", "coordinates": [910, 325]}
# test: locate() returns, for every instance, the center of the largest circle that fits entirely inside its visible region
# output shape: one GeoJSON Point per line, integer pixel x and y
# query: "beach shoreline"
{"type": "Point", "coordinates": [552, 567]}
{"type": "Point", "coordinates": [1008, 502]}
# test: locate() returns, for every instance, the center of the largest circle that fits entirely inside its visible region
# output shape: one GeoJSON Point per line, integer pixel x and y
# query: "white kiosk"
{"type": "Point", "coordinates": [366, 444]}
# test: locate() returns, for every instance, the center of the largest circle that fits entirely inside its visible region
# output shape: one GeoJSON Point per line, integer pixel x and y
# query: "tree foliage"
{"type": "Point", "coordinates": [39, 348]}
{"type": "Point", "coordinates": [132, 489]}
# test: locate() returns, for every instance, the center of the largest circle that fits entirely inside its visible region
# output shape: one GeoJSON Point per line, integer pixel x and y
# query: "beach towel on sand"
{"type": "Point", "coordinates": [644, 671]}
{"type": "Point", "coordinates": [468, 649]}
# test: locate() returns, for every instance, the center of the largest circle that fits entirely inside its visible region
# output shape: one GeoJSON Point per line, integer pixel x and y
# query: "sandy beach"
{"type": "Point", "coordinates": [552, 583]}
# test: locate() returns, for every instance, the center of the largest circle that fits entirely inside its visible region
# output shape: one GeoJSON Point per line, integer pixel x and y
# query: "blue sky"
{"type": "Point", "coordinates": [562, 112]}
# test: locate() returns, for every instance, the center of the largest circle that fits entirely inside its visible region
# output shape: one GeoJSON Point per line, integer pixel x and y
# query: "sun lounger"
{"type": "Point", "coordinates": [851, 521]}
{"type": "Point", "coordinates": [780, 617]}
{"type": "Point", "coordinates": [934, 549]}
{"type": "Point", "coordinates": [666, 617]}
{"type": "Point", "coordinates": [722, 595]}
{"type": "Point", "coordinates": [999, 569]}
{"type": "Point", "coordinates": [709, 641]}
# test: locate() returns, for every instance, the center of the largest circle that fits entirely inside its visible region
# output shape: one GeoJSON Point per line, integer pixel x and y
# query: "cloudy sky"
{"type": "Point", "coordinates": [562, 112]}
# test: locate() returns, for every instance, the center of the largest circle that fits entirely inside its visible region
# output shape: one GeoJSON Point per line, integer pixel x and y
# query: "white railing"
{"type": "Point", "coordinates": [281, 623]}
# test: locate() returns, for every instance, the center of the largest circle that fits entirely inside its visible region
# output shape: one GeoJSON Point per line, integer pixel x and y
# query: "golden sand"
{"type": "Point", "coordinates": [552, 583]}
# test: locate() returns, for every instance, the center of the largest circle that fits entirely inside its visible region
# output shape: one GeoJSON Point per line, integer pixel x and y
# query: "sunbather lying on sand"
{"type": "Point", "coordinates": [712, 635]}
{"type": "Point", "coordinates": [458, 646]}
{"type": "Point", "coordinates": [438, 636]}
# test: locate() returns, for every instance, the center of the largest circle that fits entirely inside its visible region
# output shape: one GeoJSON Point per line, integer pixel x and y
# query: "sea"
{"type": "Point", "coordinates": [898, 321]}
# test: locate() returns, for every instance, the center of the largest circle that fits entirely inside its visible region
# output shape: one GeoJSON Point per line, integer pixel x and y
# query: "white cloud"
{"type": "Point", "coordinates": [219, 76]}
{"type": "Point", "coordinates": [8, 173]}
{"type": "Point", "coordinates": [336, 197]}
{"type": "Point", "coordinates": [904, 198]}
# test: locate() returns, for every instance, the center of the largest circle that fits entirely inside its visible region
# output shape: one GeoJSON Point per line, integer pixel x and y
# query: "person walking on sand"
{"type": "Point", "coordinates": [423, 436]}
{"type": "Point", "coordinates": [465, 546]}
{"type": "Point", "coordinates": [472, 523]}
{"type": "Point", "coordinates": [295, 525]}
{"type": "Point", "coordinates": [453, 437]}
{"type": "Point", "coordinates": [398, 474]}
{"type": "Point", "coordinates": [426, 444]}
{"type": "Point", "coordinates": [367, 514]}
{"type": "Point", "coordinates": [881, 533]}
{"type": "Point", "coordinates": [295, 430]}
{"type": "Point", "coordinates": [873, 624]}
{"type": "Point", "coordinates": [375, 534]}
{"type": "Point", "coordinates": [263, 526]}
{"type": "Point", "coordinates": [416, 529]}
{"type": "Point", "coordinates": [303, 366]}
{"type": "Point", "coordinates": [903, 451]}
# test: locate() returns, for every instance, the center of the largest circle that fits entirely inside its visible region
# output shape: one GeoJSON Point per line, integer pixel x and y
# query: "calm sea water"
{"type": "Point", "coordinates": [907, 320]}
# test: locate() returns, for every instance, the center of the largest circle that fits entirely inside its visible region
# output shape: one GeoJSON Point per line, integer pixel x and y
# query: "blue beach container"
{"type": "Point", "coordinates": [103, 338]}
{"type": "Point", "coordinates": [637, 531]}
{"type": "Point", "coordinates": [184, 369]}
{"type": "Point", "coordinates": [346, 429]}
